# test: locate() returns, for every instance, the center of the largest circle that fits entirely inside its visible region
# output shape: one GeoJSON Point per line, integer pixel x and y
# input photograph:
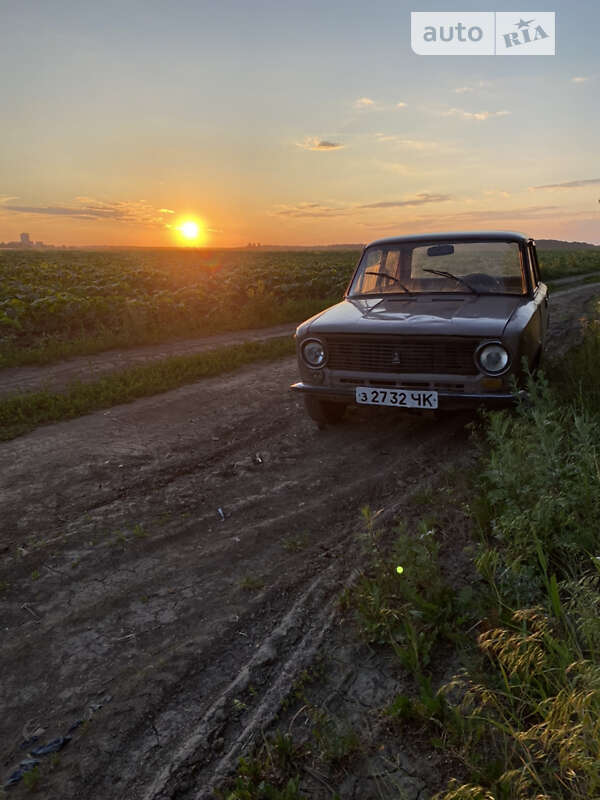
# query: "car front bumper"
{"type": "Point", "coordinates": [446, 399]}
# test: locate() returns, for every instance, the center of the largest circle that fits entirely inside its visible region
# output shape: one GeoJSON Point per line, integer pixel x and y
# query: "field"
{"type": "Point", "coordinates": [54, 304]}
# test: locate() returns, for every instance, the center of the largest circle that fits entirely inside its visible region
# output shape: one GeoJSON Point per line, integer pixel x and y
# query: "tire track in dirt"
{"type": "Point", "coordinates": [162, 622]}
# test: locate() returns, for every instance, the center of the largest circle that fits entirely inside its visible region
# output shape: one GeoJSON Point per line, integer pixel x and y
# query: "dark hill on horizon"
{"type": "Point", "coordinates": [559, 244]}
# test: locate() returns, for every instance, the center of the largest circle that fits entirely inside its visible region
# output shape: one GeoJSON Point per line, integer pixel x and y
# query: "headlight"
{"type": "Point", "coordinates": [493, 358]}
{"type": "Point", "coordinates": [313, 352]}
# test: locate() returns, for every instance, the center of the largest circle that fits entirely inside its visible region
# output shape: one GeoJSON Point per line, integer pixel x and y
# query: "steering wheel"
{"type": "Point", "coordinates": [483, 281]}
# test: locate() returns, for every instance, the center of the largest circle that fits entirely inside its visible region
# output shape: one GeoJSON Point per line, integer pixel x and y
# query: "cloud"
{"type": "Point", "coordinates": [364, 102]}
{"type": "Point", "coordinates": [318, 210]}
{"type": "Point", "coordinates": [420, 199]}
{"type": "Point", "coordinates": [165, 211]}
{"type": "Point", "coordinates": [134, 212]}
{"type": "Point", "coordinates": [477, 85]}
{"type": "Point", "coordinates": [393, 166]}
{"type": "Point", "coordinates": [496, 192]}
{"type": "Point", "coordinates": [478, 115]}
{"type": "Point", "coordinates": [314, 143]}
{"type": "Point", "coordinates": [580, 79]}
{"type": "Point", "coordinates": [414, 144]}
{"type": "Point", "coordinates": [469, 219]}
{"type": "Point", "coordinates": [310, 210]}
{"type": "Point", "coordinates": [569, 184]}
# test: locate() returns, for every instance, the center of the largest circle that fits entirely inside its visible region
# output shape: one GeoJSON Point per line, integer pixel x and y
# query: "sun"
{"type": "Point", "coordinates": [189, 229]}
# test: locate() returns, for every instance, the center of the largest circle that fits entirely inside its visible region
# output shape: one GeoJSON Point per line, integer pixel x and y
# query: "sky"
{"type": "Point", "coordinates": [288, 123]}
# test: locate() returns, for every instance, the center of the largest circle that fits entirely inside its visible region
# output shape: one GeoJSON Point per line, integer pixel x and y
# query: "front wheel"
{"type": "Point", "coordinates": [324, 412]}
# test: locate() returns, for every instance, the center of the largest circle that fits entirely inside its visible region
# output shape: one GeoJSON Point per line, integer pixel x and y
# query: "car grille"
{"type": "Point", "coordinates": [418, 354]}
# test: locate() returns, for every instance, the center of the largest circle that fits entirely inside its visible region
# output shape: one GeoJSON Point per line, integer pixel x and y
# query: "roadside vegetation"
{"type": "Point", "coordinates": [519, 618]}
{"type": "Point", "coordinates": [22, 413]}
{"type": "Point", "coordinates": [567, 263]}
{"type": "Point", "coordinates": [57, 304]}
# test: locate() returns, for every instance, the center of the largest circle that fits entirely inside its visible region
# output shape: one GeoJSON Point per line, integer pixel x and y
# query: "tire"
{"type": "Point", "coordinates": [323, 412]}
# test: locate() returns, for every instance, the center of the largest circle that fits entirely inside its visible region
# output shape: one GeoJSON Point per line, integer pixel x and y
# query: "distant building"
{"type": "Point", "coordinates": [25, 242]}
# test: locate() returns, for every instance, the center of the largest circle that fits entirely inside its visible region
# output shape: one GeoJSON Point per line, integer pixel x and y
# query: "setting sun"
{"type": "Point", "coordinates": [189, 229]}
{"type": "Point", "coordinates": [192, 232]}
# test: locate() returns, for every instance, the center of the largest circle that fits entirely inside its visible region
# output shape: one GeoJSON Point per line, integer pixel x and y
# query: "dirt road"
{"type": "Point", "coordinates": [168, 559]}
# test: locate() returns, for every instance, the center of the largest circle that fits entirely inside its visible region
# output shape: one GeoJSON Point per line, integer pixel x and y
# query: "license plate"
{"type": "Point", "coordinates": [400, 398]}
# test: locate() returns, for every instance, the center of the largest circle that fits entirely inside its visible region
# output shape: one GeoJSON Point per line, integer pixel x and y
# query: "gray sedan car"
{"type": "Point", "coordinates": [440, 320]}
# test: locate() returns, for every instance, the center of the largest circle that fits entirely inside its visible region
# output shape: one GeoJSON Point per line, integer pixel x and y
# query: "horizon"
{"type": "Point", "coordinates": [292, 126]}
{"type": "Point", "coordinates": [41, 246]}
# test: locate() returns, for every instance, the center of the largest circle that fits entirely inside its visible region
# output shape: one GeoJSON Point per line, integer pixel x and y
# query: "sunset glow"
{"type": "Point", "coordinates": [191, 232]}
{"type": "Point", "coordinates": [280, 149]}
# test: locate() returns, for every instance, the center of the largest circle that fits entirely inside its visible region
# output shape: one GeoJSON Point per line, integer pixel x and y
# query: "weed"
{"type": "Point", "coordinates": [335, 739]}
{"type": "Point", "coordinates": [35, 575]}
{"type": "Point", "coordinates": [270, 774]}
{"type": "Point", "coordinates": [422, 497]}
{"type": "Point", "coordinates": [139, 532]}
{"type": "Point", "coordinates": [295, 544]}
{"type": "Point", "coordinates": [251, 583]}
{"type": "Point", "coordinates": [403, 600]}
{"type": "Point", "coordinates": [239, 706]}
{"type": "Point", "coordinates": [31, 779]}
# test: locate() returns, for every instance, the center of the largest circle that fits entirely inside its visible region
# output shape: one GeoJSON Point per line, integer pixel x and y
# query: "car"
{"type": "Point", "coordinates": [430, 321]}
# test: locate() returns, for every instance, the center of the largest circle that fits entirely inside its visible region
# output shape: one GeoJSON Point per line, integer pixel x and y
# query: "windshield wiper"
{"type": "Point", "coordinates": [391, 277]}
{"type": "Point", "coordinates": [456, 278]}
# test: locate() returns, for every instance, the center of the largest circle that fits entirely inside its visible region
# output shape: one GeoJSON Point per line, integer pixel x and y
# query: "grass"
{"type": "Point", "coordinates": [561, 287]}
{"type": "Point", "coordinates": [403, 600]}
{"type": "Point", "coordinates": [251, 583]}
{"type": "Point", "coordinates": [523, 716]}
{"type": "Point", "coordinates": [51, 349]}
{"type": "Point", "coordinates": [23, 413]}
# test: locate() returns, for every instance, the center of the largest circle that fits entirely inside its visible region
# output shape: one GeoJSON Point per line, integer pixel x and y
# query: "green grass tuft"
{"type": "Point", "coordinates": [22, 413]}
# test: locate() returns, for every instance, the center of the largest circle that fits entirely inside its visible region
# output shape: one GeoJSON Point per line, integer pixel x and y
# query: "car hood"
{"type": "Point", "coordinates": [460, 315]}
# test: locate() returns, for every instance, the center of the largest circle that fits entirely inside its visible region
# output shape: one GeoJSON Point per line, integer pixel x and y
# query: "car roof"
{"type": "Point", "coordinates": [455, 236]}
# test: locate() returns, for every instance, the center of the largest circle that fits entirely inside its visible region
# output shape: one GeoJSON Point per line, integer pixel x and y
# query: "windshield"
{"type": "Point", "coordinates": [474, 267]}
